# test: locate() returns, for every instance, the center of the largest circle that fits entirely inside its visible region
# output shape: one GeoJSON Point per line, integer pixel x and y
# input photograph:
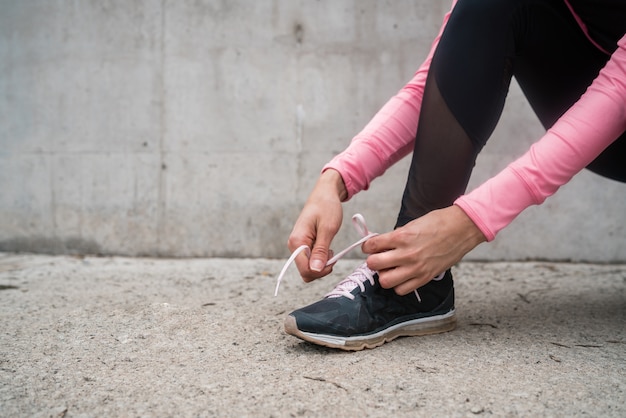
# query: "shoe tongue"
{"type": "Point", "coordinates": [346, 286]}
{"type": "Point", "coordinates": [360, 275]}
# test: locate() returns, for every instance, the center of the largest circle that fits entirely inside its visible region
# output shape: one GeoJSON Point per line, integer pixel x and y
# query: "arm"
{"type": "Point", "coordinates": [317, 224]}
{"type": "Point", "coordinates": [575, 140]}
{"type": "Point", "coordinates": [409, 257]}
{"type": "Point", "coordinates": [385, 140]}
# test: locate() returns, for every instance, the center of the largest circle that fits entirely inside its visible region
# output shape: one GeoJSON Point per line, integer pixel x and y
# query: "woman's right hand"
{"type": "Point", "coordinates": [317, 225]}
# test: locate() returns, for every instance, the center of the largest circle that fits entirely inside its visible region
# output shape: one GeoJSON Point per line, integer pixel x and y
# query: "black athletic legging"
{"type": "Point", "coordinates": [484, 44]}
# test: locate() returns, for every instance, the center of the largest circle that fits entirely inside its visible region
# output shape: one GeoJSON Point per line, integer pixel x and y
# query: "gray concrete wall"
{"type": "Point", "coordinates": [185, 128]}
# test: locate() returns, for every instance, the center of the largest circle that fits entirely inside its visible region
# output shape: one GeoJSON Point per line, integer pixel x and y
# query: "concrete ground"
{"type": "Point", "coordinates": [203, 337]}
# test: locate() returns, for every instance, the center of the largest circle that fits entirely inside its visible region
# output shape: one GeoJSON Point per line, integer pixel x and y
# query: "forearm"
{"type": "Point", "coordinates": [575, 140]}
{"type": "Point", "coordinates": [331, 183]}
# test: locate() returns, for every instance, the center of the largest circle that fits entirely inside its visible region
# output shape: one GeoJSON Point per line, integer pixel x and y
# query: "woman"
{"type": "Point", "coordinates": [569, 58]}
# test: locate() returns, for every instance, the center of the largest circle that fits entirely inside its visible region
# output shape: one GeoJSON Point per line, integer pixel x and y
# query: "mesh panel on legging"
{"type": "Point", "coordinates": [442, 161]}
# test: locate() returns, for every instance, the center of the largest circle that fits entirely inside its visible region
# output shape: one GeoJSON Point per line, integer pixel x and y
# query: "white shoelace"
{"type": "Point", "coordinates": [358, 277]}
{"type": "Point", "coordinates": [359, 224]}
{"type": "Point", "coordinates": [354, 279]}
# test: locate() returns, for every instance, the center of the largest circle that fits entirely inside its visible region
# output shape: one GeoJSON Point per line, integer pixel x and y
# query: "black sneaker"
{"type": "Point", "coordinates": [360, 314]}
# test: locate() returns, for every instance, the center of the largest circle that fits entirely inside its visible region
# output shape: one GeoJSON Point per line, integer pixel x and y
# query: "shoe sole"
{"type": "Point", "coordinates": [417, 327]}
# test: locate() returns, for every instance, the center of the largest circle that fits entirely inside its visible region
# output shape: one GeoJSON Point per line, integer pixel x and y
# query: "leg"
{"type": "Point", "coordinates": [442, 160]}
{"type": "Point", "coordinates": [485, 43]}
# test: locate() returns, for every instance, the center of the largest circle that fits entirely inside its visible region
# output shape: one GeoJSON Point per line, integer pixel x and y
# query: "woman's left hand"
{"type": "Point", "coordinates": [409, 257]}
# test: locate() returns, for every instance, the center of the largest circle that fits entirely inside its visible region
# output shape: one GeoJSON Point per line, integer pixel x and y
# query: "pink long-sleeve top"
{"type": "Point", "coordinates": [596, 120]}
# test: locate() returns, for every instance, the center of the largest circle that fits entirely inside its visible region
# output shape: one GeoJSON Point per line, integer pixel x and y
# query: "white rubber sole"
{"type": "Point", "coordinates": [414, 328]}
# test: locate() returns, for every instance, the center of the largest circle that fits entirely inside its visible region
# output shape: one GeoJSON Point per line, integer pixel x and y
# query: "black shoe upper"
{"type": "Point", "coordinates": [375, 308]}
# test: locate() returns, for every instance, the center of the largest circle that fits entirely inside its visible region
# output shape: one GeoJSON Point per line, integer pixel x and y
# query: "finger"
{"type": "Point", "coordinates": [378, 244]}
{"type": "Point", "coordinates": [321, 249]}
{"type": "Point", "coordinates": [410, 285]}
{"type": "Point", "coordinates": [397, 280]}
{"type": "Point", "coordinates": [391, 278]}
{"type": "Point", "coordinates": [317, 275]}
{"type": "Point", "coordinates": [387, 260]}
{"type": "Point", "coordinates": [308, 234]}
{"type": "Point", "coordinates": [308, 275]}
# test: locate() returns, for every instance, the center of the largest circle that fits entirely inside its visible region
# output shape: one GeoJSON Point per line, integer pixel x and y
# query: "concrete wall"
{"type": "Point", "coordinates": [197, 128]}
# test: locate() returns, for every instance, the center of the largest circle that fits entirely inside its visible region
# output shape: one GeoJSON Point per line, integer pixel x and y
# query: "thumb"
{"type": "Point", "coordinates": [320, 253]}
{"type": "Point", "coordinates": [319, 258]}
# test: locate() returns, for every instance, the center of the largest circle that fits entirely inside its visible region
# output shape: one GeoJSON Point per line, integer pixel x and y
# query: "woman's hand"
{"type": "Point", "coordinates": [318, 224]}
{"type": "Point", "coordinates": [409, 257]}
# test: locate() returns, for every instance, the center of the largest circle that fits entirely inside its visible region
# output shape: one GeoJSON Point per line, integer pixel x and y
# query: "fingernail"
{"type": "Point", "coordinates": [317, 265]}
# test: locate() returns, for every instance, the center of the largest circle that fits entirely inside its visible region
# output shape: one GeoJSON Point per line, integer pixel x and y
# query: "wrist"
{"type": "Point", "coordinates": [332, 179]}
{"type": "Point", "coordinates": [473, 235]}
